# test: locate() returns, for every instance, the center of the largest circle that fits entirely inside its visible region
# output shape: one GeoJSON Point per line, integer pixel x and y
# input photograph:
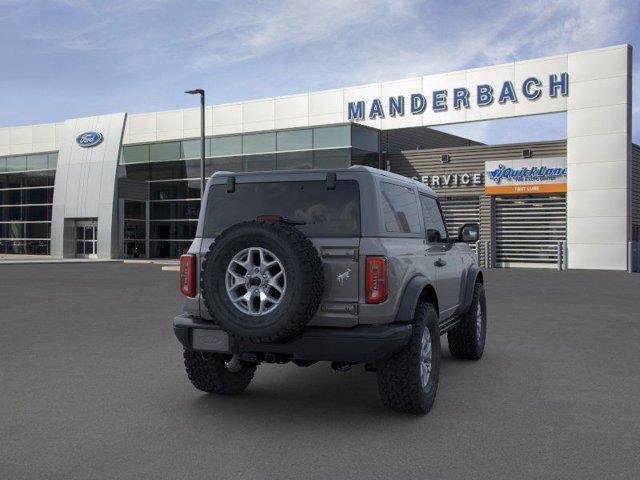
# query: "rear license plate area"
{"type": "Point", "coordinates": [210, 340]}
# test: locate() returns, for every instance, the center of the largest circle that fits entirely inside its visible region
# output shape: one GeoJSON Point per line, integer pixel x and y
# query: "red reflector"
{"type": "Point", "coordinates": [188, 275]}
{"type": "Point", "coordinates": [376, 280]}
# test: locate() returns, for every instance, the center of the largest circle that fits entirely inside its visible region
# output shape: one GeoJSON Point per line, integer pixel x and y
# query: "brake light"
{"type": "Point", "coordinates": [188, 275]}
{"type": "Point", "coordinates": [376, 280]}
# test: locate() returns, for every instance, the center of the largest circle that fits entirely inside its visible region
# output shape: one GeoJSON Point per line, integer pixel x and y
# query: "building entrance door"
{"type": "Point", "coordinates": [87, 239]}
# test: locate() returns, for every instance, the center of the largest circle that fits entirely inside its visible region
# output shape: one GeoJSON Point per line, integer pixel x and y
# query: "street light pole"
{"type": "Point", "coordinates": [200, 91]}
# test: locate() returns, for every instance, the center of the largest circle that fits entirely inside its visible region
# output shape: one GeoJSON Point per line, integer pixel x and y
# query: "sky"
{"type": "Point", "coordinates": [74, 58]}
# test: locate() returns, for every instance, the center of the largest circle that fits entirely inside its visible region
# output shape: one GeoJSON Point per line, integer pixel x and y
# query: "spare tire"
{"type": "Point", "coordinates": [262, 281]}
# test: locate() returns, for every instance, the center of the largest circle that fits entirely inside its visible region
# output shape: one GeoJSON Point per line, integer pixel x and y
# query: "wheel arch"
{"type": "Point", "coordinates": [418, 289]}
{"type": "Point", "coordinates": [474, 275]}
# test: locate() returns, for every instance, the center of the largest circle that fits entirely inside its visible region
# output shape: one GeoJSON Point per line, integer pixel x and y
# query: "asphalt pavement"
{"type": "Point", "coordinates": [92, 386]}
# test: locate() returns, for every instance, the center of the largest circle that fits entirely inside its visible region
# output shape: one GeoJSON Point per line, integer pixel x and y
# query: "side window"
{"type": "Point", "coordinates": [399, 209]}
{"type": "Point", "coordinates": [433, 221]}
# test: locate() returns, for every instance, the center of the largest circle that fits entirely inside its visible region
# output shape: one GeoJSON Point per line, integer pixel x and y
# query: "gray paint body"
{"type": "Point", "coordinates": [409, 256]}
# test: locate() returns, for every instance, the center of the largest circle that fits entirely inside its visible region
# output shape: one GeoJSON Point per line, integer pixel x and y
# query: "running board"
{"type": "Point", "coordinates": [448, 324]}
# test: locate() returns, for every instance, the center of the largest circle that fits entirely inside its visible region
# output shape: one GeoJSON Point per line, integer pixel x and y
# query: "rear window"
{"type": "Point", "coordinates": [327, 213]}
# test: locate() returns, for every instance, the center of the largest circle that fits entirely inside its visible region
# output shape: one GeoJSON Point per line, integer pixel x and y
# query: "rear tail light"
{"type": "Point", "coordinates": [376, 280]}
{"type": "Point", "coordinates": [188, 275]}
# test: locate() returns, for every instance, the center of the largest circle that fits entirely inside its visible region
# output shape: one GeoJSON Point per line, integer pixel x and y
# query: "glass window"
{"type": "Point", "coordinates": [175, 170]}
{"type": "Point", "coordinates": [295, 140]}
{"type": "Point", "coordinates": [175, 210]}
{"type": "Point", "coordinates": [191, 148]}
{"type": "Point", "coordinates": [162, 152]}
{"type": "Point", "coordinates": [37, 247]}
{"type": "Point", "coordinates": [12, 197]}
{"type": "Point", "coordinates": [135, 154]}
{"type": "Point", "coordinates": [3, 165]}
{"type": "Point", "coordinates": [14, 230]}
{"type": "Point", "coordinates": [224, 146]}
{"type": "Point", "coordinates": [259, 143]}
{"type": "Point", "coordinates": [364, 138]}
{"type": "Point", "coordinates": [52, 160]}
{"type": "Point", "coordinates": [295, 160]}
{"type": "Point", "coordinates": [399, 208]}
{"type": "Point", "coordinates": [134, 229]}
{"type": "Point", "coordinates": [38, 195]}
{"type": "Point", "coordinates": [166, 249]}
{"type": "Point", "coordinates": [327, 137]}
{"type": "Point", "coordinates": [257, 163]}
{"type": "Point", "coordinates": [134, 249]}
{"type": "Point", "coordinates": [175, 190]}
{"type": "Point", "coordinates": [173, 230]}
{"type": "Point", "coordinates": [223, 164]}
{"type": "Point", "coordinates": [37, 213]}
{"type": "Point", "coordinates": [37, 162]}
{"type": "Point", "coordinates": [16, 164]}
{"type": "Point", "coordinates": [434, 223]}
{"type": "Point", "coordinates": [133, 209]}
{"type": "Point", "coordinates": [325, 213]}
{"type": "Point", "coordinates": [38, 230]}
{"type": "Point", "coordinates": [137, 171]}
{"type": "Point", "coordinates": [339, 158]}
{"type": "Point", "coordinates": [39, 179]}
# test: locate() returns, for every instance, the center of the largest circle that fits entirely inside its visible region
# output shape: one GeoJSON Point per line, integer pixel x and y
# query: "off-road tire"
{"type": "Point", "coordinates": [303, 269]}
{"type": "Point", "coordinates": [464, 341]}
{"type": "Point", "coordinates": [399, 380]}
{"type": "Point", "coordinates": [208, 372]}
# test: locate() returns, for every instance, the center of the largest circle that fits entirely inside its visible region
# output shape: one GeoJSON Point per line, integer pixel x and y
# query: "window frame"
{"type": "Point", "coordinates": [447, 239]}
{"type": "Point", "coordinates": [383, 228]}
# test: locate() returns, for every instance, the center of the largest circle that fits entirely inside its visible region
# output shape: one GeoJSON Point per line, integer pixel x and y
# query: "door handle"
{"type": "Point", "coordinates": [440, 263]}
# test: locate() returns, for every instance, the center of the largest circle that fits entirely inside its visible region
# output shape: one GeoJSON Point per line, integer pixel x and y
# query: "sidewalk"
{"type": "Point", "coordinates": [31, 259]}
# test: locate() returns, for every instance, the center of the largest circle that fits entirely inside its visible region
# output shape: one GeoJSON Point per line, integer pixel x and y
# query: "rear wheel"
{"type": "Point", "coordinates": [216, 373]}
{"type": "Point", "coordinates": [466, 340]}
{"type": "Point", "coordinates": [408, 381]}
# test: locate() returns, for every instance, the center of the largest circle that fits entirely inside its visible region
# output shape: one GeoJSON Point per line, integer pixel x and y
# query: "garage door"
{"type": "Point", "coordinates": [458, 211]}
{"type": "Point", "coordinates": [528, 230]}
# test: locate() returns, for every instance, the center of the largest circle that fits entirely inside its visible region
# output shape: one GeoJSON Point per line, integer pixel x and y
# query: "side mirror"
{"type": "Point", "coordinates": [469, 233]}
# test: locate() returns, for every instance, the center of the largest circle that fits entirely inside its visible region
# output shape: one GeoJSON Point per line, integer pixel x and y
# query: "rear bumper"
{"type": "Point", "coordinates": [360, 344]}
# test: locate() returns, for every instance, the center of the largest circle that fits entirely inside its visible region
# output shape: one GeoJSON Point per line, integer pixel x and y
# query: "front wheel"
{"type": "Point", "coordinates": [216, 373]}
{"type": "Point", "coordinates": [408, 381]}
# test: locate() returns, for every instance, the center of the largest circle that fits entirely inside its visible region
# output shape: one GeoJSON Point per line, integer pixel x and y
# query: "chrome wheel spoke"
{"type": "Point", "coordinates": [255, 281]}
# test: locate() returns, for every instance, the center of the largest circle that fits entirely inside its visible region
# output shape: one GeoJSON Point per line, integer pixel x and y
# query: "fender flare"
{"type": "Point", "coordinates": [410, 297]}
{"type": "Point", "coordinates": [470, 282]}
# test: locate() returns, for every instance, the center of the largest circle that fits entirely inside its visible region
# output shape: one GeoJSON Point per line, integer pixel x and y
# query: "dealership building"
{"type": "Point", "coordinates": [127, 185]}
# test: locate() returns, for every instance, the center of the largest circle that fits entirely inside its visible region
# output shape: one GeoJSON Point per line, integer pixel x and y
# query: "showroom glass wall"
{"type": "Point", "coordinates": [26, 196]}
{"type": "Point", "coordinates": [166, 224]}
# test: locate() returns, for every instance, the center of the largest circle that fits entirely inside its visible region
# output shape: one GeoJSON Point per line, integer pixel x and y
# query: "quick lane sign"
{"type": "Point", "coordinates": [481, 95]}
{"type": "Point", "coordinates": [513, 177]}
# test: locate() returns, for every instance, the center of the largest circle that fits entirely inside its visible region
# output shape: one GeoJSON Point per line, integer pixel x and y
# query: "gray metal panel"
{"type": "Point", "coordinates": [419, 138]}
{"type": "Point", "coordinates": [635, 186]}
{"type": "Point", "coordinates": [85, 185]}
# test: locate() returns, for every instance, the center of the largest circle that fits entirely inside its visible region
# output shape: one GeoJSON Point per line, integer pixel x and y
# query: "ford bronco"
{"type": "Point", "coordinates": [351, 266]}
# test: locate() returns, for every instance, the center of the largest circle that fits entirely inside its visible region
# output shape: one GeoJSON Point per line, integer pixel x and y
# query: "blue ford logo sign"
{"type": "Point", "coordinates": [89, 139]}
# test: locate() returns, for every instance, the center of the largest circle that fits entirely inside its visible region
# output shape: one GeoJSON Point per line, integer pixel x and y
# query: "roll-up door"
{"type": "Point", "coordinates": [528, 230]}
{"type": "Point", "coordinates": [458, 211]}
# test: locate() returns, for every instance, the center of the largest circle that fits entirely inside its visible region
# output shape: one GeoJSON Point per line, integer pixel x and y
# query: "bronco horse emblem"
{"type": "Point", "coordinates": [343, 277]}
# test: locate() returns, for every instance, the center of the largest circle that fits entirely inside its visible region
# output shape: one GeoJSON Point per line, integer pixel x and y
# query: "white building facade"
{"type": "Point", "coordinates": [76, 195]}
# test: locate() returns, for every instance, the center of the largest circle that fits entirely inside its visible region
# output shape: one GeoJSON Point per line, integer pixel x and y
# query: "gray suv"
{"type": "Point", "coordinates": [351, 266]}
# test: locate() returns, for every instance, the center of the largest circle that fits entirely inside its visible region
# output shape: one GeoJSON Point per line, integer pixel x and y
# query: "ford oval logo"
{"type": "Point", "coordinates": [89, 139]}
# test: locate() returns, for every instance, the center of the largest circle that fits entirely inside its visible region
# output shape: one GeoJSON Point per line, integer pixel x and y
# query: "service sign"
{"type": "Point", "coordinates": [524, 176]}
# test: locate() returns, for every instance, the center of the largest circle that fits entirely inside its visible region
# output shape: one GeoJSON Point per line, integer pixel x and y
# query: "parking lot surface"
{"type": "Point", "coordinates": [92, 386]}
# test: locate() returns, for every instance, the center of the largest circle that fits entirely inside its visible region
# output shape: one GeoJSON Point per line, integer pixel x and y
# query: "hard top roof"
{"type": "Point", "coordinates": [355, 168]}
